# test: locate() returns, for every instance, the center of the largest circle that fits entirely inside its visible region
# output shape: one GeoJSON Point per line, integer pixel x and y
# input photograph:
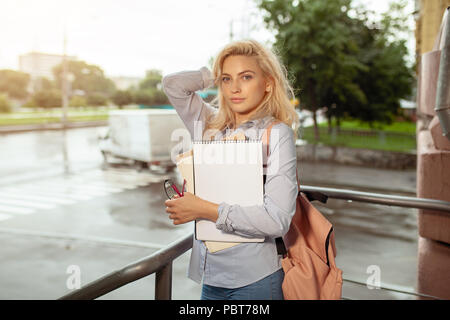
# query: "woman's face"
{"type": "Point", "coordinates": [243, 85]}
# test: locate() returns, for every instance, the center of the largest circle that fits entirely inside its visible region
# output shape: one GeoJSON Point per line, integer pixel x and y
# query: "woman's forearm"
{"type": "Point", "coordinates": [180, 89]}
{"type": "Point", "coordinates": [210, 211]}
{"type": "Point", "coordinates": [184, 83]}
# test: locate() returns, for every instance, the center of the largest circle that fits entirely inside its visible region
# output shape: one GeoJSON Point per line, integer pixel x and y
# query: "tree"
{"type": "Point", "coordinates": [150, 97]}
{"type": "Point", "coordinates": [152, 78]}
{"type": "Point", "coordinates": [87, 78]}
{"type": "Point", "coordinates": [47, 99]}
{"type": "Point", "coordinates": [159, 97]}
{"type": "Point", "coordinates": [44, 84]}
{"type": "Point", "coordinates": [315, 43]}
{"type": "Point", "coordinates": [78, 101]}
{"type": "Point", "coordinates": [341, 61]}
{"type": "Point", "coordinates": [97, 99]}
{"type": "Point", "coordinates": [5, 106]}
{"type": "Point", "coordinates": [143, 97]}
{"type": "Point", "coordinates": [149, 92]}
{"type": "Point", "coordinates": [388, 77]}
{"type": "Point", "coordinates": [14, 83]}
{"type": "Point", "coordinates": [122, 98]}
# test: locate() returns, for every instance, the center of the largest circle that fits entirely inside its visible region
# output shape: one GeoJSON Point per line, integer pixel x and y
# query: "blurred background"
{"type": "Point", "coordinates": [86, 130]}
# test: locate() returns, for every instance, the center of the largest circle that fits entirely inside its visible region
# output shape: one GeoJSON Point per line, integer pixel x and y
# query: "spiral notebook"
{"type": "Point", "coordinates": [228, 171]}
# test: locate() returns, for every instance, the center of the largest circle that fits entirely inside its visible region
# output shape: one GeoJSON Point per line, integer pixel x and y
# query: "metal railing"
{"type": "Point", "coordinates": [160, 262]}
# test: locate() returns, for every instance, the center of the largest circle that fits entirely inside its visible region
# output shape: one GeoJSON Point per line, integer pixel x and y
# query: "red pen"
{"type": "Point", "coordinates": [176, 189]}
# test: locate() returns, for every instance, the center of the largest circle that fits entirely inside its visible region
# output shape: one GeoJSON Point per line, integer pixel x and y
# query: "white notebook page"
{"type": "Point", "coordinates": [231, 172]}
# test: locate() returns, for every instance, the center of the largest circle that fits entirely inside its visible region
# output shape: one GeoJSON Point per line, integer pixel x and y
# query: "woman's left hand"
{"type": "Point", "coordinates": [190, 207]}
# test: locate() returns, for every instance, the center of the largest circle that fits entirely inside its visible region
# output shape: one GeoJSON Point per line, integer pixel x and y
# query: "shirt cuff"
{"type": "Point", "coordinates": [208, 79]}
{"type": "Point", "coordinates": [222, 222]}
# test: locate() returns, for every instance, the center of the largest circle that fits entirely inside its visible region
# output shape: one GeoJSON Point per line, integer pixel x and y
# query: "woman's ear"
{"type": "Point", "coordinates": [269, 84]}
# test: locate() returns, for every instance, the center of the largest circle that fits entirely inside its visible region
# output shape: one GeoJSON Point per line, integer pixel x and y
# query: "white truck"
{"type": "Point", "coordinates": [144, 137]}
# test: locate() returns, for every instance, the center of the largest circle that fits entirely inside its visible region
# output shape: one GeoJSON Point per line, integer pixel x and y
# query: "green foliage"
{"type": "Point", "coordinates": [388, 78]}
{"type": "Point", "coordinates": [90, 79]}
{"type": "Point", "coordinates": [342, 61]}
{"type": "Point", "coordinates": [14, 83]}
{"type": "Point", "coordinates": [387, 142]}
{"type": "Point", "coordinates": [46, 99]}
{"type": "Point", "coordinates": [44, 84]}
{"type": "Point", "coordinates": [122, 98]}
{"type": "Point", "coordinates": [151, 97]}
{"type": "Point", "coordinates": [152, 78]}
{"type": "Point", "coordinates": [78, 101]}
{"type": "Point", "coordinates": [398, 126]}
{"type": "Point", "coordinates": [143, 97]}
{"type": "Point", "coordinates": [316, 44]}
{"type": "Point", "coordinates": [97, 99]}
{"type": "Point", "coordinates": [160, 97]}
{"type": "Point", "coordinates": [5, 106]}
{"type": "Point", "coordinates": [149, 92]}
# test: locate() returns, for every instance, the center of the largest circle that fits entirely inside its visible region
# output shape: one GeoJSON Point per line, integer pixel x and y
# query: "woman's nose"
{"type": "Point", "coordinates": [235, 87]}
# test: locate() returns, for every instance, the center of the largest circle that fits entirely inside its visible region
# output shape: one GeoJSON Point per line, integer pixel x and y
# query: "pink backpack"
{"type": "Point", "coordinates": [309, 262]}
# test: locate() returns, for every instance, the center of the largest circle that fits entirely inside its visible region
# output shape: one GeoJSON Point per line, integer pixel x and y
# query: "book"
{"type": "Point", "coordinates": [228, 171]}
{"type": "Point", "coordinates": [185, 167]}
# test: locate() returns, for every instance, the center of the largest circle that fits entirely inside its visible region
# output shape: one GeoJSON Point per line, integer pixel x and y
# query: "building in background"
{"type": "Point", "coordinates": [428, 20]}
{"type": "Point", "coordinates": [39, 65]}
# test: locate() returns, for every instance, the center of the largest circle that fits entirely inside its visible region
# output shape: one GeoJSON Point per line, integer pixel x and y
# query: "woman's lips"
{"type": "Point", "coordinates": [237, 100]}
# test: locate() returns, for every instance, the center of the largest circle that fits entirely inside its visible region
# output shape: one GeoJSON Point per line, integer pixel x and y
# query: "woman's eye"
{"type": "Point", "coordinates": [247, 77]}
{"type": "Point", "coordinates": [224, 79]}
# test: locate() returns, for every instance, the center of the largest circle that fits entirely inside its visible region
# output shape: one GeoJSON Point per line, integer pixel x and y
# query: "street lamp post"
{"type": "Point", "coordinates": [65, 104]}
{"type": "Point", "coordinates": [65, 98]}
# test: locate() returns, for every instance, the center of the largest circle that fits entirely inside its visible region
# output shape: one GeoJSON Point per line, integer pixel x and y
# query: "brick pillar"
{"type": "Point", "coordinates": [433, 181]}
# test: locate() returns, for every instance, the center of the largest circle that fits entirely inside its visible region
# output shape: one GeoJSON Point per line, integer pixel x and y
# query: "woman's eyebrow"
{"type": "Point", "coordinates": [240, 72]}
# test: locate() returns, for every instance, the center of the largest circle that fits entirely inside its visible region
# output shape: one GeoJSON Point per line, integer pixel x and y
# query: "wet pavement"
{"type": "Point", "coordinates": [102, 220]}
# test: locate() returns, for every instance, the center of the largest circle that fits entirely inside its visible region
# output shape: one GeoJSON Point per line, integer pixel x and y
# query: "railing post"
{"type": "Point", "coordinates": [163, 283]}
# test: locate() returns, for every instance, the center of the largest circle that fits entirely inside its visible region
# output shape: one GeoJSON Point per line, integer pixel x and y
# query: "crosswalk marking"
{"type": "Point", "coordinates": [69, 189]}
{"type": "Point", "coordinates": [102, 185]}
{"type": "Point", "coordinates": [128, 173]}
{"type": "Point", "coordinates": [14, 209]}
{"type": "Point", "coordinates": [99, 183]}
{"type": "Point", "coordinates": [4, 216]}
{"type": "Point", "coordinates": [124, 181]}
{"type": "Point", "coordinates": [87, 186]}
{"type": "Point", "coordinates": [41, 191]}
{"type": "Point", "coordinates": [142, 181]}
{"type": "Point", "coordinates": [26, 203]}
{"type": "Point", "coordinates": [27, 198]}
{"type": "Point", "coordinates": [151, 178]}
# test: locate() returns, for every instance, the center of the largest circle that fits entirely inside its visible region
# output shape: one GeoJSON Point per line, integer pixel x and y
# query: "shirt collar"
{"type": "Point", "coordinates": [260, 122]}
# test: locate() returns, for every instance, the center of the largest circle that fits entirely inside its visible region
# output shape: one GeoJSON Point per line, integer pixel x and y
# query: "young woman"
{"type": "Point", "coordinates": [253, 91]}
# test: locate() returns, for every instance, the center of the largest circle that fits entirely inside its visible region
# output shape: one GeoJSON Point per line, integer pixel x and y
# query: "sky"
{"type": "Point", "coordinates": [128, 37]}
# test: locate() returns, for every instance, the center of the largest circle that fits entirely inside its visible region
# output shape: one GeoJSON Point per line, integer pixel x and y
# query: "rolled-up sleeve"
{"type": "Point", "coordinates": [272, 219]}
{"type": "Point", "coordinates": [180, 89]}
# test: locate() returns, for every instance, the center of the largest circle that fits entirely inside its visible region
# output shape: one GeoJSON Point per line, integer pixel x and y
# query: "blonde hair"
{"type": "Point", "coordinates": [276, 102]}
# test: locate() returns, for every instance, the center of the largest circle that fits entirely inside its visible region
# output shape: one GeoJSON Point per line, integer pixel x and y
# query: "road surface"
{"type": "Point", "coordinates": [58, 212]}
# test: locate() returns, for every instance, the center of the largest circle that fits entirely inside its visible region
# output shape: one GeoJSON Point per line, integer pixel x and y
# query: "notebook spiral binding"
{"type": "Point", "coordinates": [224, 141]}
